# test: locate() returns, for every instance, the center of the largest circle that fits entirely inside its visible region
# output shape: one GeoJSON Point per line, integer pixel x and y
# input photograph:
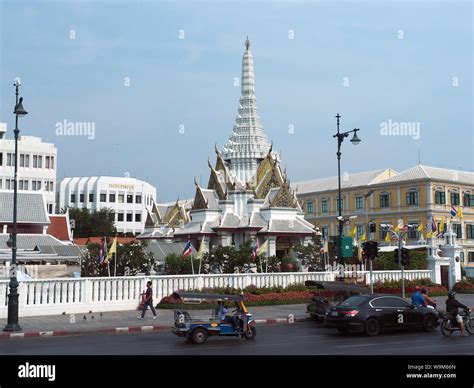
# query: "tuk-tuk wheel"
{"type": "Point", "coordinates": [251, 333]}
{"type": "Point", "coordinates": [199, 335]}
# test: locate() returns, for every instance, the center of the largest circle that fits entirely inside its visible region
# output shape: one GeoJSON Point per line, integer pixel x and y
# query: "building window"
{"type": "Point", "coordinates": [1, 158]}
{"type": "Point", "coordinates": [359, 202]}
{"type": "Point", "coordinates": [413, 233]}
{"type": "Point", "coordinates": [444, 227]}
{"type": "Point", "coordinates": [325, 232]}
{"type": "Point", "coordinates": [81, 198]}
{"type": "Point", "coordinates": [8, 184]}
{"type": "Point", "coordinates": [470, 257]}
{"type": "Point", "coordinates": [50, 208]}
{"type": "Point", "coordinates": [458, 230]}
{"type": "Point", "coordinates": [138, 217]}
{"type": "Point", "coordinates": [91, 197]}
{"type": "Point", "coordinates": [111, 197]}
{"type": "Point", "coordinates": [120, 217]}
{"type": "Point", "coordinates": [20, 185]}
{"type": "Point", "coordinates": [129, 198]}
{"type": "Point", "coordinates": [468, 199]}
{"type": "Point", "coordinates": [138, 198]}
{"type": "Point", "coordinates": [324, 206]}
{"type": "Point", "coordinates": [46, 161]}
{"type": "Point", "coordinates": [73, 198]}
{"type": "Point", "coordinates": [309, 207]}
{"type": "Point", "coordinates": [340, 203]}
{"type": "Point", "coordinates": [383, 231]}
{"type": "Point", "coordinates": [120, 198]}
{"type": "Point", "coordinates": [440, 198]}
{"type": "Point", "coordinates": [35, 185]}
{"type": "Point", "coordinates": [103, 197]}
{"type": "Point", "coordinates": [129, 217]}
{"type": "Point", "coordinates": [9, 159]}
{"type": "Point", "coordinates": [454, 198]}
{"type": "Point", "coordinates": [412, 198]}
{"type": "Point", "coordinates": [384, 200]}
{"type": "Point", "coordinates": [470, 231]}
{"type": "Point", "coordinates": [359, 231]}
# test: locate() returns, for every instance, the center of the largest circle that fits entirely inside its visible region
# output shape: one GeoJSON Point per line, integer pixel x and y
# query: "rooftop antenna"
{"type": "Point", "coordinates": [419, 157]}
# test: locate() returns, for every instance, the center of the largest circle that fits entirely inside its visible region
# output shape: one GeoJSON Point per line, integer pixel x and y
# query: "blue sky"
{"type": "Point", "coordinates": [190, 82]}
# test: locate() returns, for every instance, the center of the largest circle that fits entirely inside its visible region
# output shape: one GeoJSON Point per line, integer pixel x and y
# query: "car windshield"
{"type": "Point", "coordinates": [354, 301]}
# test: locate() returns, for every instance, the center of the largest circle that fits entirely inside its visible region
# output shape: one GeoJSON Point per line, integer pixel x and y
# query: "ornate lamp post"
{"type": "Point", "coordinates": [12, 322]}
{"type": "Point", "coordinates": [340, 138]}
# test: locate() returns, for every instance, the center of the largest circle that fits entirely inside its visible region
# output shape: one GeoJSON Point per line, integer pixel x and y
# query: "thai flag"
{"type": "Point", "coordinates": [102, 251]}
{"type": "Point", "coordinates": [454, 211]}
{"type": "Point", "coordinates": [255, 250]}
{"type": "Point", "coordinates": [188, 249]}
{"type": "Point", "coordinates": [433, 225]}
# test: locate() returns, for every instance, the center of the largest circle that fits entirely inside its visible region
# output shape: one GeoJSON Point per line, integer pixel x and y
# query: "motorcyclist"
{"type": "Point", "coordinates": [417, 299]}
{"type": "Point", "coordinates": [429, 302]}
{"type": "Point", "coordinates": [452, 305]}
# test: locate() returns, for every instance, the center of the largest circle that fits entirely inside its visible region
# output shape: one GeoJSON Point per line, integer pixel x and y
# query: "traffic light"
{"type": "Point", "coordinates": [405, 257]}
{"type": "Point", "coordinates": [370, 249]}
{"type": "Point", "coordinates": [372, 228]}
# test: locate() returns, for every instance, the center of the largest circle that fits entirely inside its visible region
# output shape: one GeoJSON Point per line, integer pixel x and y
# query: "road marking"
{"type": "Point", "coordinates": [46, 333]}
{"type": "Point", "coordinates": [147, 328]}
{"type": "Point", "coordinates": [121, 329]}
{"type": "Point", "coordinates": [17, 335]}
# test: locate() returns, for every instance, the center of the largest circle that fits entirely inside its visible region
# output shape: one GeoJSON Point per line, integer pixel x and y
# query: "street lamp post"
{"type": "Point", "coordinates": [368, 235]}
{"type": "Point", "coordinates": [340, 138]}
{"type": "Point", "coordinates": [12, 322]}
{"type": "Point", "coordinates": [400, 237]}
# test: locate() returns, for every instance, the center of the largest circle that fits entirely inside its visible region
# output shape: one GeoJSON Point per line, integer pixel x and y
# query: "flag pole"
{"type": "Point", "coordinates": [192, 265]}
{"type": "Point", "coordinates": [268, 255]}
{"type": "Point", "coordinates": [115, 264]}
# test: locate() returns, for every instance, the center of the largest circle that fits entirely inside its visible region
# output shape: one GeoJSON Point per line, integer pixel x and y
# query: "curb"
{"type": "Point", "coordinates": [131, 329]}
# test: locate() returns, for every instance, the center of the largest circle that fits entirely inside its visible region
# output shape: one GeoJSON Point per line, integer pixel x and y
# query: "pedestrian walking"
{"type": "Point", "coordinates": [148, 301]}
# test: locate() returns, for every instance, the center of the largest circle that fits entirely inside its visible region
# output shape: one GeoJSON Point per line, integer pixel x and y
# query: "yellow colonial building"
{"type": "Point", "coordinates": [414, 196]}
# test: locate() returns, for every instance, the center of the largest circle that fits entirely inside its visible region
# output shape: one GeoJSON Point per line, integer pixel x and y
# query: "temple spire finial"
{"type": "Point", "coordinates": [247, 44]}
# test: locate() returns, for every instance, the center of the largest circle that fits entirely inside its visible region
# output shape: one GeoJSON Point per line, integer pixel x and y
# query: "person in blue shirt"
{"type": "Point", "coordinates": [417, 299]}
{"type": "Point", "coordinates": [221, 312]}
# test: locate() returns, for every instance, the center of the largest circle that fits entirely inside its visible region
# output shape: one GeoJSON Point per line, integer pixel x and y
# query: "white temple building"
{"type": "Point", "coordinates": [248, 196]}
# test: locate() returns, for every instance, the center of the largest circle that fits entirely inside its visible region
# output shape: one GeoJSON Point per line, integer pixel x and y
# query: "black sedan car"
{"type": "Point", "coordinates": [370, 314]}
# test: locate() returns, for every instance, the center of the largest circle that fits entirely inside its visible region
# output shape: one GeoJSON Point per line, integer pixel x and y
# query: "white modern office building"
{"type": "Point", "coordinates": [128, 197]}
{"type": "Point", "coordinates": [36, 165]}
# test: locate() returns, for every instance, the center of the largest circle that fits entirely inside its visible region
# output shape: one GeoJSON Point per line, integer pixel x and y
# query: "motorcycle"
{"type": "Point", "coordinates": [449, 324]}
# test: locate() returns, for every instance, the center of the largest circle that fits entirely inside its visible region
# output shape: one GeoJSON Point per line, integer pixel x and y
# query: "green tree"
{"type": "Point", "coordinates": [132, 259]}
{"type": "Point", "coordinates": [309, 256]}
{"type": "Point", "coordinates": [96, 223]}
{"type": "Point", "coordinates": [386, 261]}
{"type": "Point", "coordinates": [279, 264]}
{"type": "Point", "coordinates": [179, 265]}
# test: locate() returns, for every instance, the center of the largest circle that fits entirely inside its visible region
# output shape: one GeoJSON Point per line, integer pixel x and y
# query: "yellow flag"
{"type": "Point", "coordinates": [429, 234]}
{"type": "Point", "coordinates": [263, 248]}
{"type": "Point", "coordinates": [363, 237]}
{"type": "Point", "coordinates": [387, 237]}
{"type": "Point", "coordinates": [420, 228]}
{"type": "Point", "coordinates": [353, 232]}
{"type": "Point", "coordinates": [396, 228]}
{"type": "Point", "coordinates": [441, 225]}
{"type": "Point", "coordinates": [460, 213]}
{"type": "Point", "coordinates": [112, 250]}
{"type": "Point", "coordinates": [201, 249]}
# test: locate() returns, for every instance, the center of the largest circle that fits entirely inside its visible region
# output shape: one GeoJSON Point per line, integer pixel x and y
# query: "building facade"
{"type": "Point", "coordinates": [36, 166]}
{"type": "Point", "coordinates": [416, 196]}
{"type": "Point", "coordinates": [128, 197]}
{"type": "Point", "coordinates": [248, 196]}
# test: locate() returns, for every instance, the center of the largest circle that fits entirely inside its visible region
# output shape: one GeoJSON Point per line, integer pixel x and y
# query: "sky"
{"type": "Point", "coordinates": [155, 80]}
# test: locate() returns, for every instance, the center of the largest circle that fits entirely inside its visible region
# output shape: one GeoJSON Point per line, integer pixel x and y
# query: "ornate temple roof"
{"type": "Point", "coordinates": [248, 139]}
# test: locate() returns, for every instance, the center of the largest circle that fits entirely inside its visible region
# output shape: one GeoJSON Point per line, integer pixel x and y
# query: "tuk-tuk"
{"type": "Point", "coordinates": [197, 329]}
{"type": "Point", "coordinates": [330, 294]}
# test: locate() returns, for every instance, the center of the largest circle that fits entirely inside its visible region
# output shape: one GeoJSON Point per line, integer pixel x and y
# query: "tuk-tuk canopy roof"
{"type": "Point", "coordinates": [336, 286]}
{"type": "Point", "coordinates": [203, 296]}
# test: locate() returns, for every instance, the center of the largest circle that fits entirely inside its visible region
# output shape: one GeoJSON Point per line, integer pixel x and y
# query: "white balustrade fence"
{"type": "Point", "coordinates": [57, 296]}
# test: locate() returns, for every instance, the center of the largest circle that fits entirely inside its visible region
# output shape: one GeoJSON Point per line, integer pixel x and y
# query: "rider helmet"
{"type": "Point", "coordinates": [451, 294]}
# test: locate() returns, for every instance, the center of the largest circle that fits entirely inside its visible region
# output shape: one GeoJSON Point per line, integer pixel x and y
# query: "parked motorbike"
{"type": "Point", "coordinates": [449, 324]}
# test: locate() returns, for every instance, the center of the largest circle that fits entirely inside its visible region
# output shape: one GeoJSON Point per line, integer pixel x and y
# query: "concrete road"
{"type": "Point", "coordinates": [308, 338]}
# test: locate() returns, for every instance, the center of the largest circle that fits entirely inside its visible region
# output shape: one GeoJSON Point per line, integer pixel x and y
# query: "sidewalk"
{"type": "Point", "coordinates": [126, 321]}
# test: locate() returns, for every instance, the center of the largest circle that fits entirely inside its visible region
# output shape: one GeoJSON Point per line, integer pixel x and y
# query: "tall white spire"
{"type": "Point", "coordinates": [248, 144]}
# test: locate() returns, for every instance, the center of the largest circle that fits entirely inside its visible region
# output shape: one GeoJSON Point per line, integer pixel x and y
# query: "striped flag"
{"type": "Point", "coordinates": [433, 225]}
{"type": "Point", "coordinates": [454, 211]}
{"type": "Point", "coordinates": [188, 249]}
{"type": "Point", "coordinates": [103, 251]}
{"type": "Point", "coordinates": [255, 250]}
